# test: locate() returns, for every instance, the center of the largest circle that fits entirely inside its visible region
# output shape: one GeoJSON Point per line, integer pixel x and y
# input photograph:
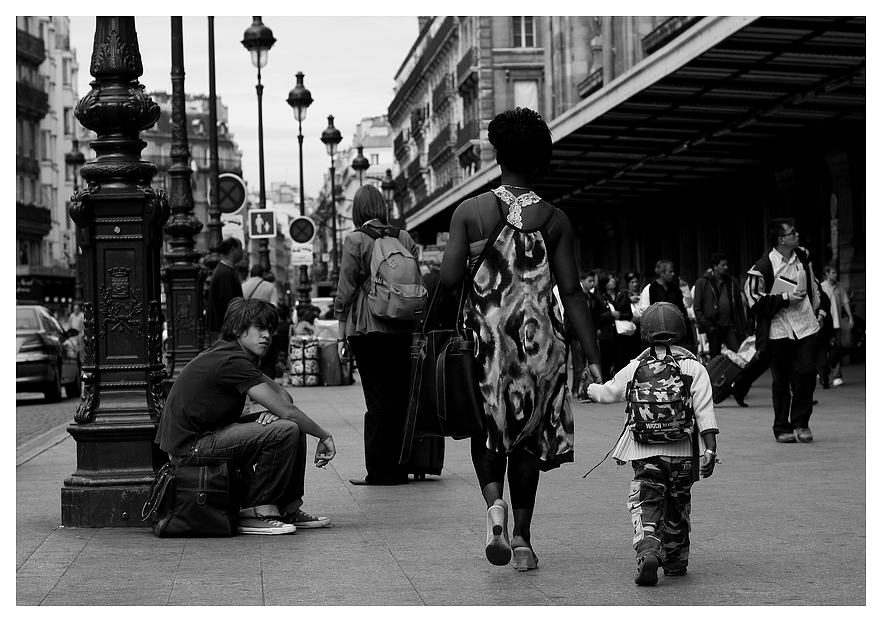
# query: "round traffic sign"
{"type": "Point", "coordinates": [302, 229]}
{"type": "Point", "coordinates": [230, 193]}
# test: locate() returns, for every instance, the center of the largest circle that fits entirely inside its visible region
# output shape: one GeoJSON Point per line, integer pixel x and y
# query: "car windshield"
{"type": "Point", "coordinates": [26, 319]}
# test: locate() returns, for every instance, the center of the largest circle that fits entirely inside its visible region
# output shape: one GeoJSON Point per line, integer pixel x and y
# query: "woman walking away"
{"type": "Point", "coordinates": [381, 347]}
{"type": "Point", "coordinates": [517, 248]}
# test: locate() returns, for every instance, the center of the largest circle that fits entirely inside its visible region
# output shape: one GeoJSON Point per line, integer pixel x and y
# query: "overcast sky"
{"type": "Point", "coordinates": [349, 65]}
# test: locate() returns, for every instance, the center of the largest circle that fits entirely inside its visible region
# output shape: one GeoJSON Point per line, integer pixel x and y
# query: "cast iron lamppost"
{"type": "Point", "coordinates": [214, 220]}
{"type": "Point", "coordinates": [258, 40]}
{"type": "Point", "coordinates": [119, 219]}
{"type": "Point", "coordinates": [360, 164]}
{"type": "Point", "coordinates": [74, 160]}
{"type": "Point", "coordinates": [299, 99]}
{"type": "Point", "coordinates": [184, 276]}
{"type": "Point", "coordinates": [332, 137]}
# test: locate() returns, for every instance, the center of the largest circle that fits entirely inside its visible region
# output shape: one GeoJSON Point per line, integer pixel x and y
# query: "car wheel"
{"type": "Point", "coordinates": [53, 387]}
{"type": "Point", "coordinates": [74, 388]}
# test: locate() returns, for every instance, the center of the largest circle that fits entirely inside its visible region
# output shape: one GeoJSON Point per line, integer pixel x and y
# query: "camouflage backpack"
{"type": "Point", "coordinates": [659, 400]}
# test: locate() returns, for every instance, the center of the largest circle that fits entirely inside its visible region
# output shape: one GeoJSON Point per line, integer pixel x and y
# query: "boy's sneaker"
{"type": "Point", "coordinates": [837, 382]}
{"type": "Point", "coordinates": [264, 526]}
{"type": "Point", "coordinates": [647, 570]}
{"type": "Point", "coordinates": [306, 521]}
{"type": "Point", "coordinates": [675, 572]}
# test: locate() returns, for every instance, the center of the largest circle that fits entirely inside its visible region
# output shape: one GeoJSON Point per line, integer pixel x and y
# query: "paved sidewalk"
{"type": "Point", "coordinates": [775, 525]}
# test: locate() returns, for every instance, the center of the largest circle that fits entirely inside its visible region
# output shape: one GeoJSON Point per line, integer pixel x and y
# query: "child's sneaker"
{"type": "Point", "coordinates": [647, 570]}
{"type": "Point", "coordinates": [675, 572]}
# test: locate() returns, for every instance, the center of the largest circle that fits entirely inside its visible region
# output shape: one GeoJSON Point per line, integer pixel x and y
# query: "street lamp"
{"type": "Point", "coordinates": [258, 40]}
{"type": "Point", "coordinates": [388, 186]}
{"type": "Point", "coordinates": [332, 137]}
{"type": "Point", "coordinates": [360, 164]}
{"type": "Point", "coordinates": [74, 161]}
{"type": "Point", "coordinates": [299, 99]}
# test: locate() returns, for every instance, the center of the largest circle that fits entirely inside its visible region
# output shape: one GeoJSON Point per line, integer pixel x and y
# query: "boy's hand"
{"type": "Point", "coordinates": [594, 370]}
{"type": "Point", "coordinates": [708, 461]}
{"type": "Point", "coordinates": [325, 451]}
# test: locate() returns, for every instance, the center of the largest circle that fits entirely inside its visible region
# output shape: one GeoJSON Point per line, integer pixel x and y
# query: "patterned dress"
{"type": "Point", "coordinates": [522, 350]}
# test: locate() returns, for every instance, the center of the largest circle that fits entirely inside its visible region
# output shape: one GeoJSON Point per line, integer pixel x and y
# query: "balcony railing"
{"type": "Point", "coordinates": [399, 145]}
{"type": "Point", "coordinates": [32, 99]}
{"type": "Point", "coordinates": [466, 65]}
{"type": "Point", "coordinates": [442, 91]}
{"type": "Point", "coordinates": [29, 47]}
{"type": "Point", "coordinates": [442, 143]}
{"type": "Point", "coordinates": [414, 169]}
{"type": "Point", "coordinates": [669, 30]}
{"type": "Point", "coordinates": [468, 132]}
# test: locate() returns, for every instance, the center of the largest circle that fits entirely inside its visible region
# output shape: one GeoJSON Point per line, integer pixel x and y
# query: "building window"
{"type": "Point", "coordinates": [65, 71]}
{"type": "Point", "coordinates": [45, 145]}
{"type": "Point", "coordinates": [526, 94]}
{"type": "Point", "coordinates": [375, 159]}
{"type": "Point", "coordinates": [524, 32]}
{"type": "Point", "coordinates": [68, 122]}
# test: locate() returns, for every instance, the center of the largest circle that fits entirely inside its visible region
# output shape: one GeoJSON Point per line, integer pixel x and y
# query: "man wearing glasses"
{"type": "Point", "coordinates": [783, 295]}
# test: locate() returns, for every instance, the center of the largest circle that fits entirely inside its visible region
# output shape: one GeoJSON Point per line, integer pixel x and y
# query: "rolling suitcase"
{"type": "Point", "coordinates": [426, 456]}
{"type": "Point", "coordinates": [723, 374]}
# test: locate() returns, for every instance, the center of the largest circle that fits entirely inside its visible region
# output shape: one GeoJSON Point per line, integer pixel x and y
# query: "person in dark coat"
{"type": "Point", "coordinates": [225, 285]}
{"type": "Point", "coordinates": [719, 312]}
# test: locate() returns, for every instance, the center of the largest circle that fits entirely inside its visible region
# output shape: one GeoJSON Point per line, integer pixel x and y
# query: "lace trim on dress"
{"type": "Point", "coordinates": [516, 204]}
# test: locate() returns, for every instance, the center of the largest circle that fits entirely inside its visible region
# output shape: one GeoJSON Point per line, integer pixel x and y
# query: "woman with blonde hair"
{"type": "Point", "coordinates": [517, 247]}
{"type": "Point", "coordinates": [381, 347]}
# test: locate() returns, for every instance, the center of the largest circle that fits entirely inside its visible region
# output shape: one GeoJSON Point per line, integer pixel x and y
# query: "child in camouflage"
{"type": "Point", "coordinates": [661, 491]}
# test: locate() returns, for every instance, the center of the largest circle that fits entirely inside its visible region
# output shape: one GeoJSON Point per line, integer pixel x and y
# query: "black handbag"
{"type": "Point", "coordinates": [445, 399]}
{"type": "Point", "coordinates": [193, 501]}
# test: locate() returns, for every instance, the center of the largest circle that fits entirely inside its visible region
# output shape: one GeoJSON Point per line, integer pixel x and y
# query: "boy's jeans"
{"type": "Point", "coordinates": [660, 503]}
{"type": "Point", "coordinates": [271, 459]}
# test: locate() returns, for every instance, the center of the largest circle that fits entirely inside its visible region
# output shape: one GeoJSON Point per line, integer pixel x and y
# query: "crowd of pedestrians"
{"type": "Point", "coordinates": [533, 315]}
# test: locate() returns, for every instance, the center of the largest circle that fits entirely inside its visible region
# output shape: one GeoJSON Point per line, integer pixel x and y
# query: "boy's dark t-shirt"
{"type": "Point", "coordinates": [207, 395]}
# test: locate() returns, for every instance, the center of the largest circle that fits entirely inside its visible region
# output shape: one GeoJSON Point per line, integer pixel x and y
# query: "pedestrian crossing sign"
{"type": "Point", "coordinates": [261, 223]}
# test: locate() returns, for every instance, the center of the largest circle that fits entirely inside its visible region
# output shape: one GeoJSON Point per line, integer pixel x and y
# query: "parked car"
{"type": "Point", "coordinates": [46, 356]}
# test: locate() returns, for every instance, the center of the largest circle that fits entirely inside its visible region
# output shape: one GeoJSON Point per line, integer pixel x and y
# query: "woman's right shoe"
{"type": "Point", "coordinates": [498, 549]}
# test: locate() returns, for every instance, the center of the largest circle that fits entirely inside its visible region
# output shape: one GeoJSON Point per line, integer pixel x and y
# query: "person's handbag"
{"type": "Point", "coordinates": [193, 501]}
{"type": "Point", "coordinates": [626, 327]}
{"type": "Point", "coordinates": [445, 399]}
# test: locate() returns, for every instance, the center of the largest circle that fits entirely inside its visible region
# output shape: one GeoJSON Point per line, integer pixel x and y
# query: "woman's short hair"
{"type": "Point", "coordinates": [368, 204]}
{"type": "Point", "coordinates": [522, 140]}
{"type": "Point", "coordinates": [243, 314]}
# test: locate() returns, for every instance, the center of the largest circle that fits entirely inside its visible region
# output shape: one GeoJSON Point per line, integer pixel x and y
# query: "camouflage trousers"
{"type": "Point", "coordinates": [660, 502]}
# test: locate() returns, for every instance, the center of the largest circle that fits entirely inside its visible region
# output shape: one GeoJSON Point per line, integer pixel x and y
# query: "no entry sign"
{"type": "Point", "coordinates": [302, 229]}
{"type": "Point", "coordinates": [230, 193]}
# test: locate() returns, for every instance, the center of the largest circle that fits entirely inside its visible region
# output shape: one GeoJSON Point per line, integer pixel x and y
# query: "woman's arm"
{"type": "Point", "coordinates": [563, 267]}
{"type": "Point", "coordinates": [456, 255]}
{"type": "Point", "coordinates": [623, 306]}
{"type": "Point", "coordinates": [350, 267]}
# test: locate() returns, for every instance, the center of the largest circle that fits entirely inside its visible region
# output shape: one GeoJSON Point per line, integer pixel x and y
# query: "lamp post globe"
{"type": "Point", "coordinates": [388, 186]}
{"type": "Point", "coordinates": [299, 98]}
{"type": "Point", "coordinates": [360, 164]}
{"type": "Point", "coordinates": [258, 40]}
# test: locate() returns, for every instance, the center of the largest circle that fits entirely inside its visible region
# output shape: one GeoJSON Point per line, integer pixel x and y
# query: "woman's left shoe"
{"type": "Point", "coordinates": [498, 549]}
{"type": "Point", "coordinates": [525, 559]}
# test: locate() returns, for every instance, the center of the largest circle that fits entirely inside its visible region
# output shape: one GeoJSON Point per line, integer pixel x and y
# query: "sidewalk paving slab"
{"type": "Point", "coordinates": [775, 525]}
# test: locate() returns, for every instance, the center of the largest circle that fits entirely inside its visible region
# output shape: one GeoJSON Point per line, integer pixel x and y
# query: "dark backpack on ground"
{"type": "Point", "coordinates": [394, 286]}
{"type": "Point", "coordinates": [659, 401]}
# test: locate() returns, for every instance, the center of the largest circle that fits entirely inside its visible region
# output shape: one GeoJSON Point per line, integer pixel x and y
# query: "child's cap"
{"type": "Point", "coordinates": [662, 322]}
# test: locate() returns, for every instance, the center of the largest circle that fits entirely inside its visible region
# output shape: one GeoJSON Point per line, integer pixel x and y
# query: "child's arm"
{"type": "Point", "coordinates": [613, 391]}
{"type": "Point", "coordinates": [709, 458]}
